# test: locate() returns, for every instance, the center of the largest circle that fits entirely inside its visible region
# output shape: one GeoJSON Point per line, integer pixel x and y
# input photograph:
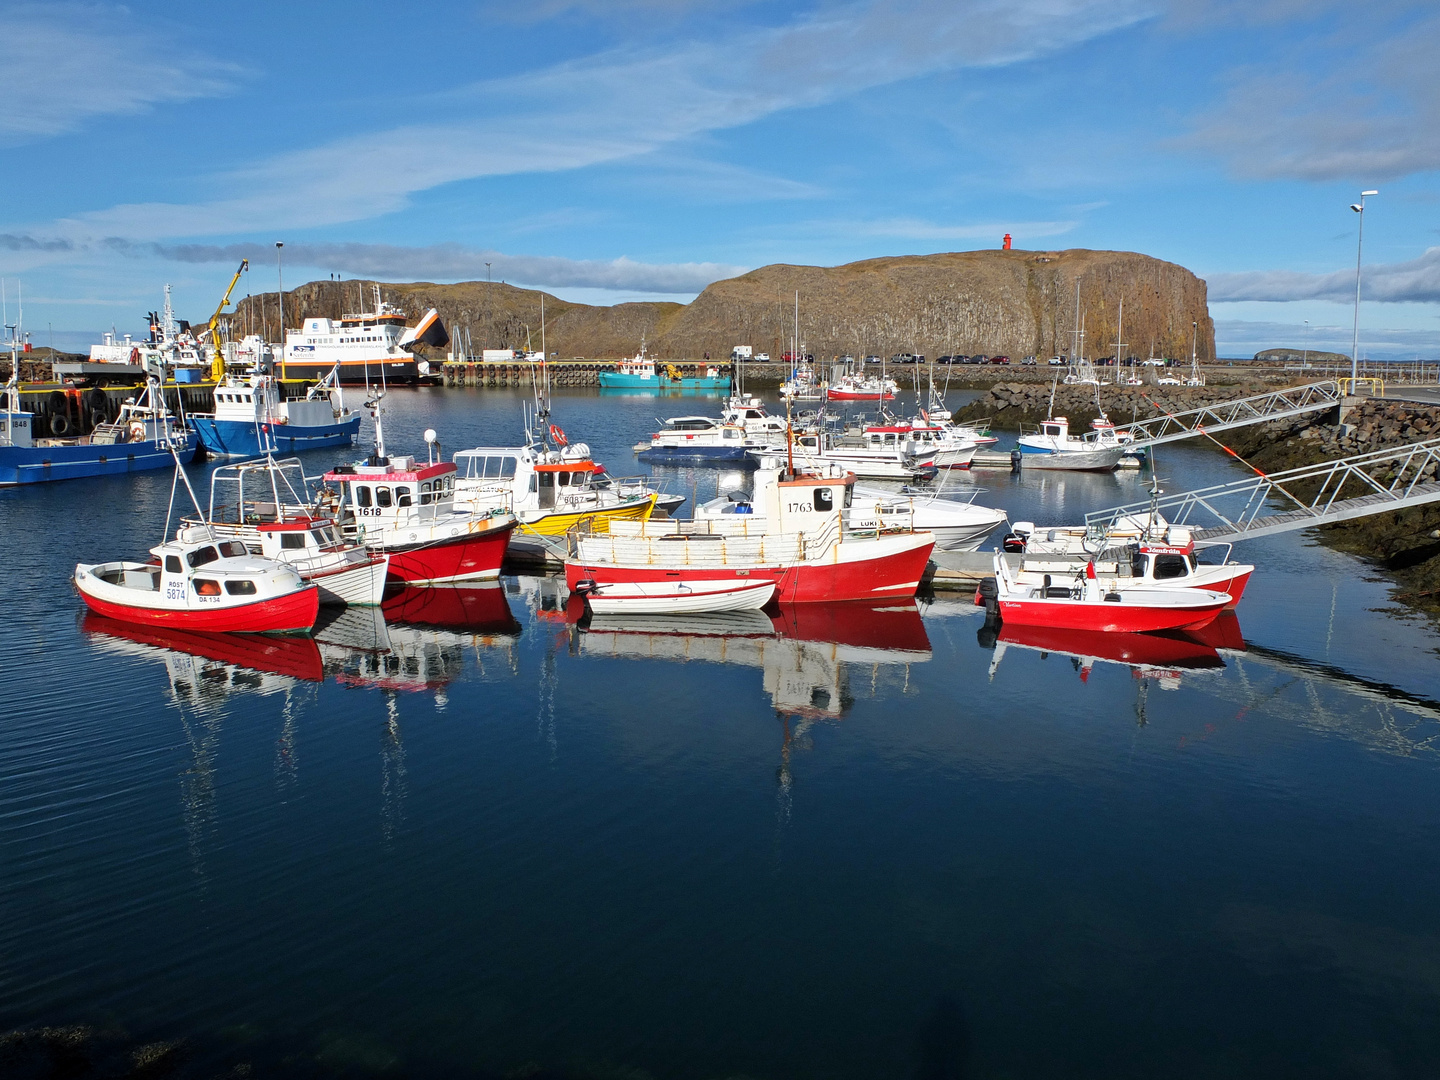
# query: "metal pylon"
{"type": "Point", "coordinates": [1339, 490]}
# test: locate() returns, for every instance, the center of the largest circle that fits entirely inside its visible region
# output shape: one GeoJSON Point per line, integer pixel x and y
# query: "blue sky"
{"type": "Point", "coordinates": [608, 150]}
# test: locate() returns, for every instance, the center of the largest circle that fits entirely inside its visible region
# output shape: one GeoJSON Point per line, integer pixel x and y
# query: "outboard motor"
{"type": "Point", "coordinates": [1015, 458]}
{"type": "Point", "coordinates": [988, 596]}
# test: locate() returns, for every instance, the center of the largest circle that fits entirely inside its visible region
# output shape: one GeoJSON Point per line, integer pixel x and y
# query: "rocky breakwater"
{"type": "Point", "coordinates": [1403, 543]}
{"type": "Point", "coordinates": [1009, 406]}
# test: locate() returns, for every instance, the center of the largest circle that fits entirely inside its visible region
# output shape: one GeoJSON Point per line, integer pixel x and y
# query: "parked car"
{"type": "Point", "coordinates": [1059, 361]}
{"type": "Point", "coordinates": [872, 359]}
{"type": "Point", "coordinates": [1029, 361]}
{"type": "Point", "coordinates": [903, 358]}
{"type": "Point", "coordinates": [946, 359]}
{"type": "Point", "coordinates": [1154, 363]}
{"type": "Point", "coordinates": [999, 360]}
{"type": "Point", "coordinates": [763, 357]}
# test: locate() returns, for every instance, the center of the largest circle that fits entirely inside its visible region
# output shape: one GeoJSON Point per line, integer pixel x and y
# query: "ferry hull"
{"type": "Point", "coordinates": [293, 613]}
{"type": "Point", "coordinates": [469, 557]}
{"type": "Point", "coordinates": [237, 439]}
{"type": "Point", "coordinates": [895, 571]}
{"type": "Point", "coordinates": [695, 455]}
{"type": "Point", "coordinates": [40, 464]}
{"type": "Point", "coordinates": [353, 372]}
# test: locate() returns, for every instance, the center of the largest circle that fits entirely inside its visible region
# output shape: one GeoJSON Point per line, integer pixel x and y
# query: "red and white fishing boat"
{"type": "Point", "coordinates": [208, 585]}
{"type": "Point", "coordinates": [266, 505]}
{"type": "Point", "coordinates": [860, 387]}
{"type": "Point", "coordinates": [406, 509]}
{"type": "Point", "coordinates": [1133, 554]}
{"type": "Point", "coordinates": [803, 543]}
{"type": "Point", "coordinates": [675, 597]}
{"type": "Point", "coordinates": [1093, 606]}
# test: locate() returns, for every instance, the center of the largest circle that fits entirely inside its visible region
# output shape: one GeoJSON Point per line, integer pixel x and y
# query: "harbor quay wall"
{"type": "Point", "coordinates": [84, 407]}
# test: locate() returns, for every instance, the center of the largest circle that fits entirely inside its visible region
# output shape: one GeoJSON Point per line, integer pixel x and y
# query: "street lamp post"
{"type": "Point", "coordinates": [1359, 208]}
{"type": "Point", "coordinates": [280, 276]}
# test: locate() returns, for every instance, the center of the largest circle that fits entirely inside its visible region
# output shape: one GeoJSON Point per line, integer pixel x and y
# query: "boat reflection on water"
{"type": "Point", "coordinates": [1164, 656]}
{"type": "Point", "coordinates": [418, 639]}
{"type": "Point", "coordinates": [807, 652]}
{"type": "Point", "coordinates": [201, 664]}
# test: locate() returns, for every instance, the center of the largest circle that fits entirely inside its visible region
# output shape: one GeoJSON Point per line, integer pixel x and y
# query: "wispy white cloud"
{"type": "Point", "coordinates": [1352, 98]}
{"type": "Point", "coordinates": [66, 63]}
{"type": "Point", "coordinates": [452, 262]}
{"type": "Point", "coordinates": [622, 104]}
{"type": "Point", "coordinates": [1416, 281]}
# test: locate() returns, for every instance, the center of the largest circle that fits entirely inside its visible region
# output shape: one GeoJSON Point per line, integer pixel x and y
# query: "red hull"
{"type": "Point", "coordinates": [297, 657]}
{"type": "Point", "coordinates": [848, 395]}
{"type": "Point", "coordinates": [472, 557]}
{"type": "Point", "coordinates": [1235, 586]}
{"type": "Point", "coordinates": [1110, 618]}
{"type": "Point", "coordinates": [897, 575]}
{"type": "Point", "coordinates": [291, 614]}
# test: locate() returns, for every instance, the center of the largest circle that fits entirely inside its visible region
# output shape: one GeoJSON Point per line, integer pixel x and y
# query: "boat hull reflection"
{"type": "Point", "coordinates": [804, 653]}
{"type": "Point", "coordinates": [293, 657]}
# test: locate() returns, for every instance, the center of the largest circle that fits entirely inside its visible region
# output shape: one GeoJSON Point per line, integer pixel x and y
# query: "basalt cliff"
{"type": "Point", "coordinates": [1014, 302]}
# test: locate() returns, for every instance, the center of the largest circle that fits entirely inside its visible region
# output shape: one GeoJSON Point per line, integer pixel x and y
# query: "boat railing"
{"type": "Point", "coordinates": [695, 548]}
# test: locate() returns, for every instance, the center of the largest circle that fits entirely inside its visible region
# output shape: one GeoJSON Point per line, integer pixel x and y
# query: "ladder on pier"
{"type": "Point", "coordinates": [1299, 498]}
{"type": "Point", "coordinates": [1258, 409]}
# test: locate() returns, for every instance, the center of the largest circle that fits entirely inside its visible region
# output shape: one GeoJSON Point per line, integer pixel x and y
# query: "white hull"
{"type": "Point", "coordinates": [1073, 460]}
{"type": "Point", "coordinates": [361, 586]}
{"type": "Point", "coordinates": [678, 598]}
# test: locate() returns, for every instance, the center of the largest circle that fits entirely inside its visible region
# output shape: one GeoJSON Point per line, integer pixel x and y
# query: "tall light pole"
{"type": "Point", "coordinates": [280, 275]}
{"type": "Point", "coordinates": [1359, 208]}
{"type": "Point", "coordinates": [1305, 347]}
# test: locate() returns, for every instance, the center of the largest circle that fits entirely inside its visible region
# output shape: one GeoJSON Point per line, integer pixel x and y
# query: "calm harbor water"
{"type": "Point", "coordinates": [470, 838]}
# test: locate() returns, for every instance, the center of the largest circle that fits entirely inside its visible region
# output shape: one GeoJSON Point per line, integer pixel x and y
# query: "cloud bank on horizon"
{"type": "Point", "coordinates": [648, 147]}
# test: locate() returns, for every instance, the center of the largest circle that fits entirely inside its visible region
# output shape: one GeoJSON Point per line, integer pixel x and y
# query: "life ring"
{"type": "Point", "coordinates": [137, 430]}
{"type": "Point", "coordinates": [558, 435]}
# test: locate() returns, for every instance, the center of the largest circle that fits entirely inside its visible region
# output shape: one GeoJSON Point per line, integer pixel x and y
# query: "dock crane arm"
{"type": "Point", "coordinates": [217, 366]}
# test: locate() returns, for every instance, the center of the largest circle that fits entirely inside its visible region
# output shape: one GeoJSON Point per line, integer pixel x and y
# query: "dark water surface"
{"type": "Point", "coordinates": [834, 845]}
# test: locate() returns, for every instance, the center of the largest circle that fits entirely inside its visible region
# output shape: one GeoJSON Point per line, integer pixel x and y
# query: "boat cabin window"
{"type": "Point", "coordinates": [172, 564]}
{"type": "Point", "coordinates": [425, 490]}
{"type": "Point", "coordinates": [404, 495]}
{"type": "Point", "coordinates": [382, 496]}
{"type": "Point", "coordinates": [201, 556]}
{"type": "Point", "coordinates": [563, 479]}
{"type": "Point", "coordinates": [1170, 566]}
{"type": "Point", "coordinates": [849, 496]}
{"type": "Point", "coordinates": [321, 537]}
{"type": "Point", "coordinates": [240, 587]}
{"type": "Point", "coordinates": [731, 433]}
{"type": "Point", "coordinates": [362, 495]}
{"type": "Point", "coordinates": [206, 586]}
{"type": "Point", "coordinates": [824, 499]}
{"type": "Point", "coordinates": [547, 490]}
{"type": "Point", "coordinates": [291, 541]}
{"type": "Point", "coordinates": [1052, 429]}
{"type": "Point", "coordinates": [233, 549]}
{"type": "Point", "coordinates": [1138, 564]}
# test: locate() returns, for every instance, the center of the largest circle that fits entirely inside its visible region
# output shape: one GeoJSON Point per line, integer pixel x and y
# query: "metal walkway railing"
{"type": "Point", "coordinates": [1344, 489]}
{"type": "Point", "coordinates": [1295, 401]}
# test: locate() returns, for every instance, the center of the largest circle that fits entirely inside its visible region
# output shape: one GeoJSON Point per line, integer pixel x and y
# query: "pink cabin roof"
{"type": "Point", "coordinates": [390, 476]}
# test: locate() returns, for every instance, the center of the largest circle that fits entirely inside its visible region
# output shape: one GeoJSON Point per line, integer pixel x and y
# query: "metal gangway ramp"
{"type": "Point", "coordinates": [1309, 495]}
{"type": "Point", "coordinates": [1257, 409]}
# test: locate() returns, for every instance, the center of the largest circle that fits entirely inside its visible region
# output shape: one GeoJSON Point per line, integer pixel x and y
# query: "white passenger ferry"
{"type": "Point", "coordinates": [365, 346]}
